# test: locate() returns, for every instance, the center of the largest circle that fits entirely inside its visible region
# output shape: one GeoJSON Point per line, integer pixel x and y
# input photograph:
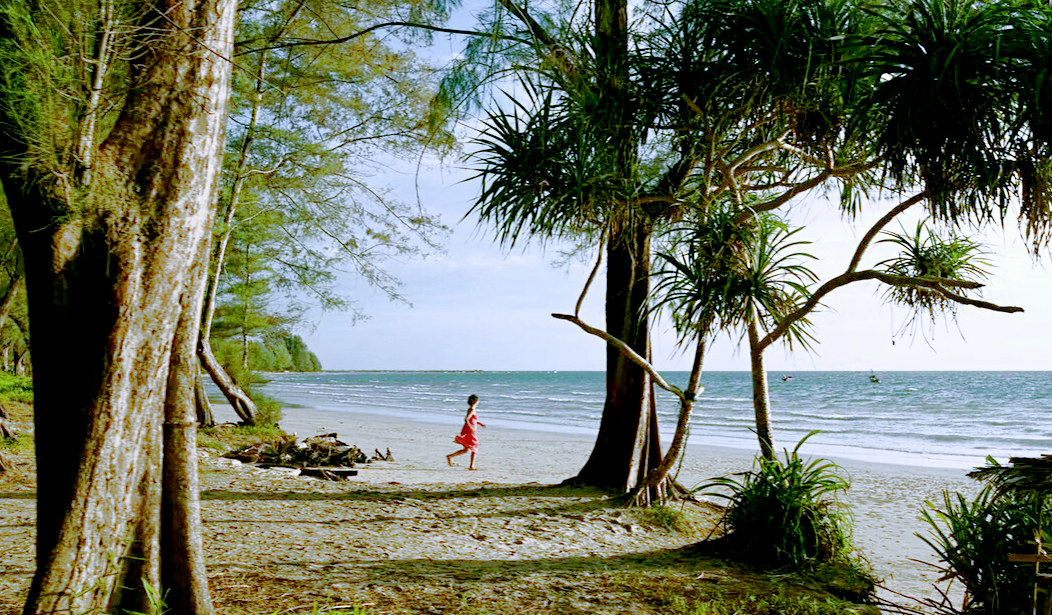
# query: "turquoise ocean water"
{"type": "Point", "coordinates": [947, 419]}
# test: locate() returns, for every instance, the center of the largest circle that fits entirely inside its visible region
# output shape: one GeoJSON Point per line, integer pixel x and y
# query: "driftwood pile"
{"type": "Point", "coordinates": [322, 456]}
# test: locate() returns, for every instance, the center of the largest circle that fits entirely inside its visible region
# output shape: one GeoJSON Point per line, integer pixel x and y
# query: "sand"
{"type": "Point", "coordinates": [885, 499]}
{"type": "Point", "coordinates": [413, 535]}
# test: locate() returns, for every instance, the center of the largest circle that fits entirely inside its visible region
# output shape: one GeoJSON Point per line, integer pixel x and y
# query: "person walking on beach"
{"type": "Point", "coordinates": [467, 436]}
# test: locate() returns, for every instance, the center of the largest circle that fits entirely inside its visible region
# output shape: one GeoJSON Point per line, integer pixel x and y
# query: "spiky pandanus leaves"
{"type": "Point", "coordinates": [785, 513]}
{"type": "Point", "coordinates": [939, 110]}
{"type": "Point", "coordinates": [1023, 475]}
{"type": "Point", "coordinates": [926, 255]}
{"type": "Point", "coordinates": [722, 271]}
{"type": "Point", "coordinates": [972, 541]}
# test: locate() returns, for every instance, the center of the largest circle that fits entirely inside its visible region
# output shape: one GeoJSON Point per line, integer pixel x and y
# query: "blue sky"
{"type": "Point", "coordinates": [480, 307]}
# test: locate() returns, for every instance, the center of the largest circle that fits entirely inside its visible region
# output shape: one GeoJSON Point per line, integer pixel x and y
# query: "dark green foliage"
{"type": "Point", "coordinates": [972, 540]}
{"type": "Point", "coordinates": [785, 513]}
{"type": "Point", "coordinates": [277, 351]}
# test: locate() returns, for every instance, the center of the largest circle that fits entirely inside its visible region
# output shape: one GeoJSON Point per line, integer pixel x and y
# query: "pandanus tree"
{"type": "Point", "coordinates": [757, 103]}
{"type": "Point", "coordinates": [721, 275]}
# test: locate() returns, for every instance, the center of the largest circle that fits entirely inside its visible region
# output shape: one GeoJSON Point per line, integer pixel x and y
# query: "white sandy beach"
{"type": "Point", "coordinates": [885, 499]}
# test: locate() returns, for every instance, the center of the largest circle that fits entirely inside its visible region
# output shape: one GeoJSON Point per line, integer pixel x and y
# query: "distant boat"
{"type": "Point", "coordinates": [786, 378]}
{"type": "Point", "coordinates": [873, 378]}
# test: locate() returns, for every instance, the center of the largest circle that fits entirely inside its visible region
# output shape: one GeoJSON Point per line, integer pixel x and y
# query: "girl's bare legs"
{"type": "Point", "coordinates": [471, 465]}
{"type": "Point", "coordinates": [449, 457]}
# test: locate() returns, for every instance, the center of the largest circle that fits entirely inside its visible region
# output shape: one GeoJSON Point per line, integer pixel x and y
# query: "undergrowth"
{"type": "Point", "coordinates": [16, 388]}
{"type": "Point", "coordinates": [972, 541]}
{"type": "Point", "coordinates": [784, 514]}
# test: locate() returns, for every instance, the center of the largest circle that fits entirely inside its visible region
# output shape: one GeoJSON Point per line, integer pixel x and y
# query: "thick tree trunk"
{"type": "Point", "coordinates": [760, 393]}
{"type": "Point", "coordinates": [626, 447]}
{"type": "Point", "coordinates": [621, 449]}
{"type": "Point", "coordinates": [105, 266]}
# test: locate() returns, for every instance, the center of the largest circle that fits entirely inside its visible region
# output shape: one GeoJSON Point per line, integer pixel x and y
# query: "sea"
{"type": "Point", "coordinates": [934, 418]}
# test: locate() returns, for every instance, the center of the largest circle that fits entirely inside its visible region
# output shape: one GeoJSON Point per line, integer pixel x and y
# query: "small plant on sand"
{"type": "Point", "coordinates": [972, 541]}
{"type": "Point", "coordinates": [785, 513]}
{"type": "Point", "coordinates": [665, 517]}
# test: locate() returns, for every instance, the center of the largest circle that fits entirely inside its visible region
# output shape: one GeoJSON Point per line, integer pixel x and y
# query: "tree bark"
{"type": "Point", "coordinates": [761, 399]}
{"type": "Point", "coordinates": [620, 449]}
{"type": "Point", "coordinates": [183, 571]}
{"type": "Point", "coordinates": [105, 265]}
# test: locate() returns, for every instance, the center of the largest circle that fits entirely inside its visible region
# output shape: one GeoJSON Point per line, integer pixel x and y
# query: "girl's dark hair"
{"type": "Point", "coordinates": [472, 399]}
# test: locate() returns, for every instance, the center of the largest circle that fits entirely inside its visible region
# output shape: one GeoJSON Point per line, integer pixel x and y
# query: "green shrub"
{"type": "Point", "coordinates": [268, 410]}
{"type": "Point", "coordinates": [16, 388]}
{"type": "Point", "coordinates": [785, 513]}
{"type": "Point", "coordinates": [972, 541]}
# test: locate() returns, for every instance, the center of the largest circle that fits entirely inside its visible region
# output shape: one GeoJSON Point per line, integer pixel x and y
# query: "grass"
{"type": "Point", "coordinates": [667, 517]}
{"type": "Point", "coordinates": [16, 388]}
{"type": "Point", "coordinates": [224, 438]}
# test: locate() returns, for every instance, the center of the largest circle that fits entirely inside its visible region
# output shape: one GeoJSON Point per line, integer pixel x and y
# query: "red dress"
{"type": "Point", "coordinates": [467, 437]}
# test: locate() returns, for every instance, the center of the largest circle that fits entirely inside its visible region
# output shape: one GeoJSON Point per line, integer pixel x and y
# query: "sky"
{"type": "Point", "coordinates": [478, 306]}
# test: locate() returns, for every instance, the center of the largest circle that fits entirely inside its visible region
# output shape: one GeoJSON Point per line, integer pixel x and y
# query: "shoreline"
{"type": "Point", "coordinates": [885, 499]}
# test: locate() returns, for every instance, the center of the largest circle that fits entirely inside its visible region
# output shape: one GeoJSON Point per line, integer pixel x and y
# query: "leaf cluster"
{"type": "Point", "coordinates": [722, 272]}
{"type": "Point", "coordinates": [926, 255]}
{"type": "Point", "coordinates": [785, 513]}
{"type": "Point", "coordinates": [972, 540]}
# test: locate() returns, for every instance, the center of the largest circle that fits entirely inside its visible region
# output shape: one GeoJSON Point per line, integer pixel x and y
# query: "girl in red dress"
{"type": "Point", "coordinates": [467, 437]}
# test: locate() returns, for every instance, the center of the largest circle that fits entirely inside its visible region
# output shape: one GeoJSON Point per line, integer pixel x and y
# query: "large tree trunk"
{"type": "Point", "coordinates": [107, 282]}
{"type": "Point", "coordinates": [623, 449]}
{"type": "Point", "coordinates": [626, 448]}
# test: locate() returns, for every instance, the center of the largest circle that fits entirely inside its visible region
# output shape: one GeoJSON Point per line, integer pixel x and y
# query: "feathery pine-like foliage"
{"type": "Point", "coordinates": [333, 97]}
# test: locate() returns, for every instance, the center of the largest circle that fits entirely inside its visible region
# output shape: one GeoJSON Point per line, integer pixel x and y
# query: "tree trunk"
{"type": "Point", "coordinates": [761, 400]}
{"type": "Point", "coordinates": [183, 571]}
{"type": "Point", "coordinates": [239, 400]}
{"type": "Point", "coordinates": [106, 264]}
{"type": "Point", "coordinates": [622, 445]}
{"type": "Point", "coordinates": [625, 447]}
{"type": "Point", "coordinates": [16, 285]}
{"type": "Point", "coordinates": [205, 418]}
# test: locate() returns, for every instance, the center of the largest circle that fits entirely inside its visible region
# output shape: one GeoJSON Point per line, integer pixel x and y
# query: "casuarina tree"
{"type": "Point", "coordinates": [111, 127]}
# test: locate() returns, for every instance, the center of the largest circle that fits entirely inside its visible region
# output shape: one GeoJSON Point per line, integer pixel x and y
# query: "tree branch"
{"type": "Point", "coordinates": [625, 350]}
{"type": "Point", "coordinates": [373, 28]}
